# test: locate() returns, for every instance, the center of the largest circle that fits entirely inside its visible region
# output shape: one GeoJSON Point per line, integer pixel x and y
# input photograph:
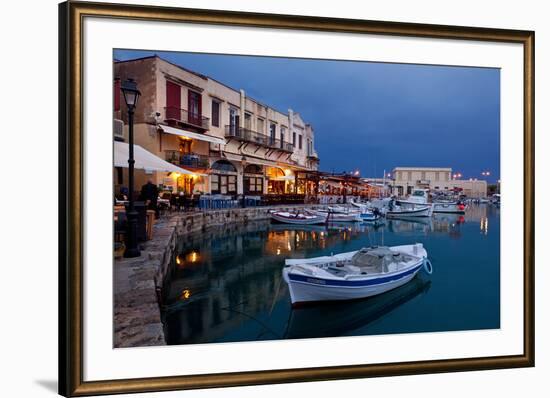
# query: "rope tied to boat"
{"type": "Point", "coordinates": [428, 267]}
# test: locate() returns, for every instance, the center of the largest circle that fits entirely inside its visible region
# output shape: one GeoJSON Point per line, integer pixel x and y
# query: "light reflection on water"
{"type": "Point", "coordinates": [226, 284]}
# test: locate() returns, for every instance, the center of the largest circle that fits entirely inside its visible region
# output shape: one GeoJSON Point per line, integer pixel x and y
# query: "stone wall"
{"type": "Point", "coordinates": [137, 281]}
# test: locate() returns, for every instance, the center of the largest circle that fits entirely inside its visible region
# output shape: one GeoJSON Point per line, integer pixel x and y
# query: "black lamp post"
{"type": "Point", "coordinates": [131, 95]}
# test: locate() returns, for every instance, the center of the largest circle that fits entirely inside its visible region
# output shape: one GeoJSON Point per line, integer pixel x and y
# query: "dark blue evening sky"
{"type": "Point", "coordinates": [373, 116]}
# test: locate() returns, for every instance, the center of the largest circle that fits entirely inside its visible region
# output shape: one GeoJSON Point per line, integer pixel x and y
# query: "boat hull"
{"type": "Point", "coordinates": [307, 289]}
{"type": "Point", "coordinates": [449, 208]}
{"type": "Point", "coordinates": [340, 217]}
{"type": "Point", "coordinates": [297, 220]}
{"type": "Point", "coordinates": [422, 212]}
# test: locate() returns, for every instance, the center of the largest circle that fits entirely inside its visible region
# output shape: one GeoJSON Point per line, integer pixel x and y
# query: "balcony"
{"type": "Point", "coordinates": [245, 135]}
{"type": "Point", "coordinates": [313, 155]}
{"type": "Point", "coordinates": [187, 160]}
{"type": "Point", "coordinates": [184, 118]}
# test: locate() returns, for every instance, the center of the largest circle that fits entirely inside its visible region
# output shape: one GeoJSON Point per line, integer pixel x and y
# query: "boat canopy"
{"type": "Point", "coordinates": [377, 259]}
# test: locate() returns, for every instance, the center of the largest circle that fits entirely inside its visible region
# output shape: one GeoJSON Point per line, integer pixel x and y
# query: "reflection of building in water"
{"type": "Point", "coordinates": [438, 224]}
{"type": "Point", "coordinates": [416, 226]}
{"type": "Point", "coordinates": [484, 225]}
{"type": "Point", "coordinates": [476, 212]}
{"type": "Point", "coordinates": [221, 277]}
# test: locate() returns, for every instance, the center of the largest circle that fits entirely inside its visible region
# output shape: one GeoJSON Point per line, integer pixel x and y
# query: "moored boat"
{"type": "Point", "coordinates": [369, 215]}
{"type": "Point", "coordinates": [353, 275]}
{"type": "Point", "coordinates": [409, 211]}
{"type": "Point", "coordinates": [303, 218]}
{"type": "Point", "coordinates": [339, 217]}
{"type": "Point", "coordinates": [449, 207]}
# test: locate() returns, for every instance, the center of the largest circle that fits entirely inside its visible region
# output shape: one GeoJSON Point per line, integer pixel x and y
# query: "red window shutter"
{"type": "Point", "coordinates": [116, 93]}
{"type": "Point", "coordinates": [173, 100]}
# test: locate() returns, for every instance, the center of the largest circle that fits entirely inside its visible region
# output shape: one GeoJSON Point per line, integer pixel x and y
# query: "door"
{"type": "Point", "coordinates": [173, 101]}
{"type": "Point", "coordinates": [194, 108]}
{"type": "Point", "coordinates": [234, 122]}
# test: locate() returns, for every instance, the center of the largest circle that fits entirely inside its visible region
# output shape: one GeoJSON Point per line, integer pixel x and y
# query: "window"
{"type": "Point", "coordinates": [283, 131]}
{"type": "Point", "coordinates": [232, 184]}
{"type": "Point", "coordinates": [215, 113]}
{"type": "Point", "coordinates": [214, 183]}
{"type": "Point", "coordinates": [253, 185]}
{"type": "Point", "coordinates": [224, 165]}
{"type": "Point", "coordinates": [253, 169]}
{"type": "Point", "coordinates": [116, 94]}
{"type": "Point", "coordinates": [300, 141]}
{"type": "Point", "coordinates": [247, 121]}
{"type": "Point", "coordinates": [261, 126]}
{"type": "Point", "coordinates": [272, 128]}
{"type": "Point", "coordinates": [294, 138]}
{"type": "Point", "coordinates": [223, 184]}
{"type": "Point", "coordinates": [194, 107]}
{"type": "Point", "coordinates": [234, 121]}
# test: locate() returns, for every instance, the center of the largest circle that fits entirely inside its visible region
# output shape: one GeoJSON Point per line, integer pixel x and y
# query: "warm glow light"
{"type": "Point", "coordinates": [178, 260]}
{"type": "Point", "coordinates": [287, 171]}
{"type": "Point", "coordinates": [278, 251]}
{"type": "Point", "coordinates": [193, 257]}
{"type": "Point", "coordinates": [185, 294]}
{"type": "Point", "coordinates": [175, 175]}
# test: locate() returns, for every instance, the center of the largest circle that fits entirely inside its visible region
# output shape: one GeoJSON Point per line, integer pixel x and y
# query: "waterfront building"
{"type": "Point", "coordinates": [231, 142]}
{"type": "Point", "coordinates": [405, 179]}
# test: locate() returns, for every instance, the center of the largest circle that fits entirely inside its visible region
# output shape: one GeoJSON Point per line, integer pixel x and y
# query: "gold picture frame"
{"type": "Point", "coordinates": [71, 15]}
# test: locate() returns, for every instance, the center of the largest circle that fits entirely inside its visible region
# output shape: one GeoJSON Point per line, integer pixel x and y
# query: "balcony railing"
{"type": "Point", "coordinates": [190, 160]}
{"type": "Point", "coordinates": [246, 135]}
{"type": "Point", "coordinates": [184, 117]}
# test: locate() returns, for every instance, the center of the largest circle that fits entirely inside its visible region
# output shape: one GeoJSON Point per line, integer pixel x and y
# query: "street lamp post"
{"type": "Point", "coordinates": [131, 95]}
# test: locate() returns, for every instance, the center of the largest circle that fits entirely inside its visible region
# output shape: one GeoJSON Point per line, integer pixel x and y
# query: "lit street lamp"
{"type": "Point", "coordinates": [131, 95]}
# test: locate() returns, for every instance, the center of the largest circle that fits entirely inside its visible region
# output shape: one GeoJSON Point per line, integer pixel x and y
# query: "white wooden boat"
{"type": "Point", "coordinates": [409, 211]}
{"type": "Point", "coordinates": [339, 217]}
{"type": "Point", "coordinates": [298, 218]}
{"type": "Point", "coordinates": [353, 275]}
{"type": "Point", "coordinates": [449, 207]}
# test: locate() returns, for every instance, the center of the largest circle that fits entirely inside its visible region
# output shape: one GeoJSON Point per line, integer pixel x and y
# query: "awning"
{"type": "Point", "coordinates": [189, 134]}
{"type": "Point", "coordinates": [248, 159]}
{"type": "Point", "coordinates": [145, 160]}
{"type": "Point", "coordinates": [283, 178]}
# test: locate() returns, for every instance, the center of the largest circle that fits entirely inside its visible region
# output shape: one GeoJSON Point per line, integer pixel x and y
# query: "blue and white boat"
{"type": "Point", "coordinates": [353, 275]}
{"type": "Point", "coordinates": [367, 216]}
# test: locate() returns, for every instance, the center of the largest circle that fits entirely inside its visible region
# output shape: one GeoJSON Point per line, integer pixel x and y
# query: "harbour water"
{"type": "Point", "coordinates": [226, 285]}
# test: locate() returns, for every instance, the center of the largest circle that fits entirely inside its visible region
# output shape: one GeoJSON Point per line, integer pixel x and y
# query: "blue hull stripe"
{"type": "Point", "coordinates": [368, 282]}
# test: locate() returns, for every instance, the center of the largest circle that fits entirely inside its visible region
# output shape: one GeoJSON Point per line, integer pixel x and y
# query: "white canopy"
{"type": "Point", "coordinates": [189, 134]}
{"type": "Point", "coordinates": [249, 159]}
{"type": "Point", "coordinates": [144, 160]}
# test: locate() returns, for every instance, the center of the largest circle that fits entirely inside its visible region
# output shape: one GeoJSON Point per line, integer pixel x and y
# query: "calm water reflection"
{"type": "Point", "coordinates": [226, 284]}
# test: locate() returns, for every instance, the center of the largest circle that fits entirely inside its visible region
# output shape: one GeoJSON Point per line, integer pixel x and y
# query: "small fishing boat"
{"type": "Point", "coordinates": [339, 217]}
{"type": "Point", "coordinates": [353, 275]}
{"type": "Point", "coordinates": [449, 207]}
{"type": "Point", "coordinates": [421, 197]}
{"type": "Point", "coordinates": [304, 218]}
{"type": "Point", "coordinates": [369, 216]}
{"type": "Point", "coordinates": [395, 210]}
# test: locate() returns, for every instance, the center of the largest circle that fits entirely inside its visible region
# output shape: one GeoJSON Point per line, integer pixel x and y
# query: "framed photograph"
{"type": "Point", "coordinates": [256, 199]}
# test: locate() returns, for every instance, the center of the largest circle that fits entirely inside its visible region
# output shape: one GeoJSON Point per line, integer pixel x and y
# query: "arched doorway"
{"type": "Point", "coordinates": [279, 182]}
{"type": "Point", "coordinates": [223, 178]}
